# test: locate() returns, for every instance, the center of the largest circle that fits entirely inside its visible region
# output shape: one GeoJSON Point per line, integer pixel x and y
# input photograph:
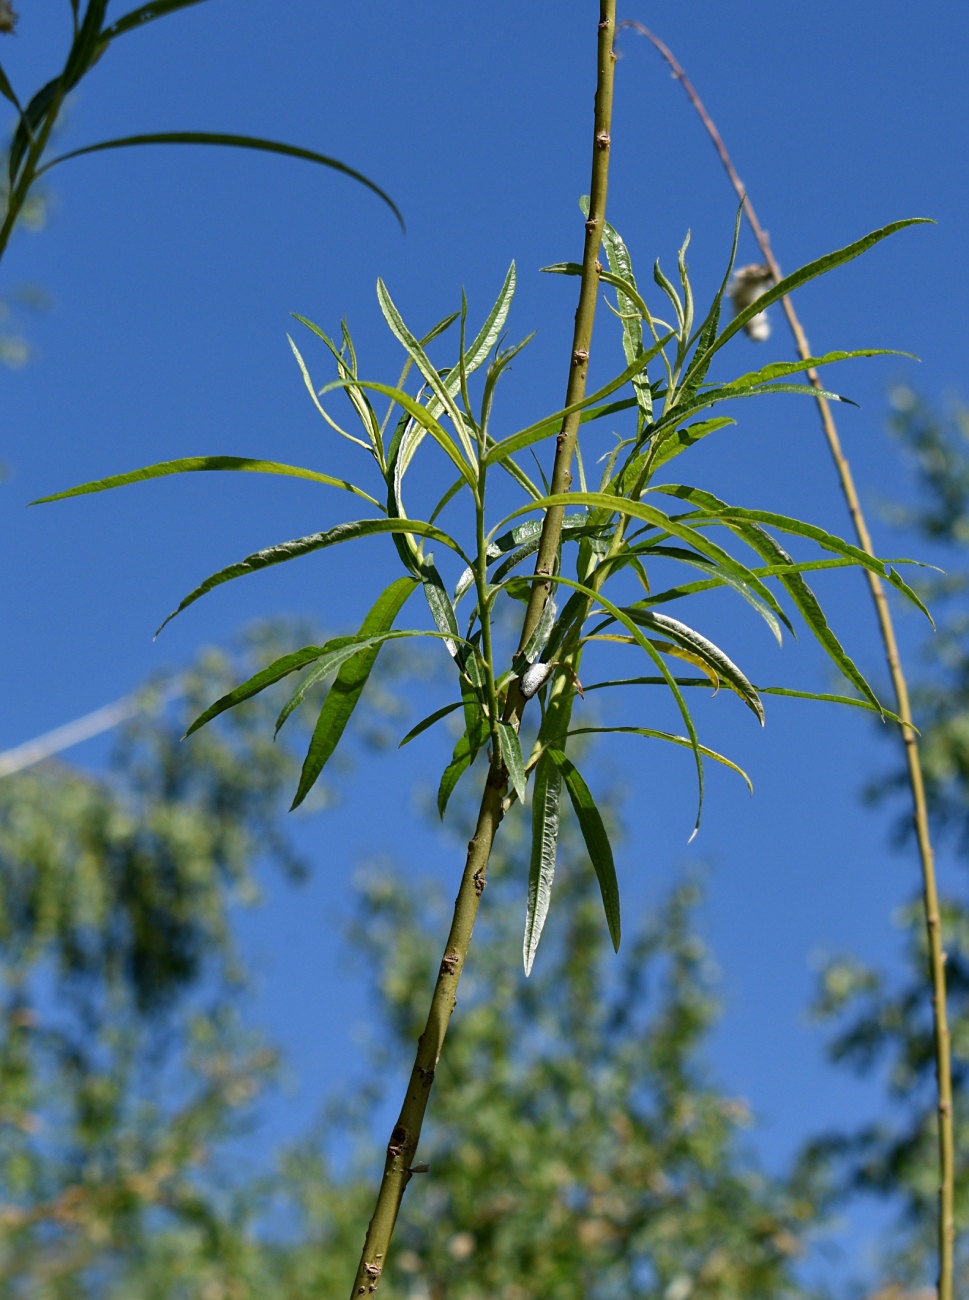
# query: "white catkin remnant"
{"type": "Point", "coordinates": [748, 283]}
{"type": "Point", "coordinates": [534, 678]}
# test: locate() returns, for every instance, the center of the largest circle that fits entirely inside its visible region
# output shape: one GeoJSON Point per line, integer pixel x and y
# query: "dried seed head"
{"type": "Point", "coordinates": [534, 678]}
{"type": "Point", "coordinates": [8, 19]}
{"type": "Point", "coordinates": [748, 283]}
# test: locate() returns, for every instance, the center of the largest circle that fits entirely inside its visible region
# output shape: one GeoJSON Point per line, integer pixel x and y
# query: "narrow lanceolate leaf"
{"type": "Point", "coordinates": [232, 142]}
{"type": "Point", "coordinates": [541, 869]}
{"type": "Point", "coordinates": [650, 734]}
{"type": "Point", "coordinates": [462, 758]}
{"type": "Point", "coordinates": [268, 676]}
{"type": "Point", "coordinates": [620, 263]}
{"type": "Point", "coordinates": [543, 629]}
{"type": "Point", "coordinates": [710, 507]}
{"type": "Point", "coordinates": [423, 417]}
{"type": "Point", "coordinates": [198, 464]}
{"type": "Point", "coordinates": [551, 423]}
{"type": "Point", "coordinates": [144, 14]}
{"type": "Point", "coordinates": [511, 756]}
{"type": "Point", "coordinates": [344, 694]}
{"type": "Point", "coordinates": [679, 441]}
{"type": "Point", "coordinates": [428, 722]}
{"type": "Point", "coordinates": [300, 546]}
{"type": "Point", "coordinates": [596, 840]}
{"type": "Point", "coordinates": [793, 281]}
{"type": "Point", "coordinates": [424, 365]}
{"type": "Point", "coordinates": [778, 369]}
{"type": "Point", "coordinates": [439, 603]}
{"type": "Point", "coordinates": [705, 650]}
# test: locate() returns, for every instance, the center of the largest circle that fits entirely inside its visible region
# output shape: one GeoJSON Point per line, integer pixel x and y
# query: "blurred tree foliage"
{"type": "Point", "coordinates": [883, 1025]}
{"type": "Point", "coordinates": [579, 1149]}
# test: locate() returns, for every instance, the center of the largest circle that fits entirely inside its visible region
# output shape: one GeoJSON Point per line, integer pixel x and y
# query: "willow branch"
{"type": "Point", "coordinates": [402, 1148]}
{"type": "Point", "coordinates": [899, 684]}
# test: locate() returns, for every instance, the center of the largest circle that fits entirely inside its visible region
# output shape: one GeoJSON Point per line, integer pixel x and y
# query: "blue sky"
{"type": "Point", "coordinates": [174, 273]}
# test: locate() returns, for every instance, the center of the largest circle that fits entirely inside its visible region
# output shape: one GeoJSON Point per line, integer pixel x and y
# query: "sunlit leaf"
{"type": "Point", "coordinates": [300, 546]}
{"type": "Point", "coordinates": [197, 464]}
{"type": "Point", "coordinates": [511, 756]}
{"type": "Point", "coordinates": [343, 696]}
{"type": "Point", "coordinates": [546, 796]}
{"type": "Point", "coordinates": [649, 733]}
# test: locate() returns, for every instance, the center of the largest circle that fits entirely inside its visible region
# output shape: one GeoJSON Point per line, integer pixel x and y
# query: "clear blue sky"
{"type": "Point", "coordinates": [174, 272]}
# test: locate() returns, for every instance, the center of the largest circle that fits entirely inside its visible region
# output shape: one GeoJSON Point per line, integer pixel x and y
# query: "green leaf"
{"type": "Point", "coordinates": [550, 424]}
{"type": "Point", "coordinates": [778, 369]}
{"type": "Point", "coordinates": [541, 868]}
{"type": "Point", "coordinates": [299, 546]}
{"type": "Point", "coordinates": [32, 117]}
{"type": "Point", "coordinates": [439, 603]}
{"type": "Point", "coordinates": [596, 840]}
{"type": "Point", "coordinates": [650, 734]}
{"type": "Point", "coordinates": [834, 699]}
{"type": "Point", "coordinates": [464, 755]}
{"type": "Point", "coordinates": [770, 611]}
{"type": "Point", "coordinates": [711, 508]}
{"type": "Point", "coordinates": [428, 722]}
{"type": "Point", "coordinates": [511, 756]}
{"type": "Point", "coordinates": [196, 464]}
{"type": "Point", "coordinates": [423, 418]}
{"type": "Point", "coordinates": [621, 616]}
{"type": "Point", "coordinates": [651, 515]}
{"type": "Point", "coordinates": [536, 643]}
{"type": "Point", "coordinates": [711, 654]}
{"type": "Point", "coordinates": [679, 441]}
{"type": "Point", "coordinates": [620, 263]}
{"type": "Point", "coordinates": [344, 694]}
{"type": "Point", "coordinates": [804, 598]}
{"type": "Point", "coordinates": [8, 91]}
{"type": "Point", "coordinates": [794, 281]}
{"type": "Point", "coordinates": [145, 14]}
{"type": "Point", "coordinates": [233, 142]}
{"type": "Point", "coordinates": [423, 363]}
{"type": "Point", "coordinates": [268, 676]}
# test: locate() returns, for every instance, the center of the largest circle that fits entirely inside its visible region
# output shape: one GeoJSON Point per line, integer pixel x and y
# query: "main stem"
{"type": "Point", "coordinates": [402, 1148]}
{"type": "Point", "coordinates": [902, 704]}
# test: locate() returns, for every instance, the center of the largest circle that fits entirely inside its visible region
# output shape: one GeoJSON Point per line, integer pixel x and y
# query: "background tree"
{"type": "Point", "coordinates": [581, 1147]}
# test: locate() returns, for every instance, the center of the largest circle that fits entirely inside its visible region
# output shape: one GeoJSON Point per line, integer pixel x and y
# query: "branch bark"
{"type": "Point", "coordinates": [899, 684]}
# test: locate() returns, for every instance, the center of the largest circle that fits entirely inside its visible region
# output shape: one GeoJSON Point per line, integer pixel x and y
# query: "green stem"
{"type": "Point", "coordinates": [406, 1134]}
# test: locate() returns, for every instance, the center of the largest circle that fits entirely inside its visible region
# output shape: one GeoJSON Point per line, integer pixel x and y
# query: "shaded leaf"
{"type": "Point", "coordinates": [428, 722]}
{"type": "Point", "coordinates": [233, 142]}
{"type": "Point", "coordinates": [344, 694]}
{"type": "Point", "coordinates": [596, 840]}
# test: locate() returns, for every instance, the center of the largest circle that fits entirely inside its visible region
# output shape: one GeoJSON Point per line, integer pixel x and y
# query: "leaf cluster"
{"type": "Point", "coordinates": [631, 528]}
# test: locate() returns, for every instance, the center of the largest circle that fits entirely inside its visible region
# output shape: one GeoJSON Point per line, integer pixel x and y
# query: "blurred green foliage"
{"type": "Point", "coordinates": [578, 1147]}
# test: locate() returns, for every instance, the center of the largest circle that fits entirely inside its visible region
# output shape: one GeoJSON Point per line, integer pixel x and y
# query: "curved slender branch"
{"type": "Point", "coordinates": [899, 684]}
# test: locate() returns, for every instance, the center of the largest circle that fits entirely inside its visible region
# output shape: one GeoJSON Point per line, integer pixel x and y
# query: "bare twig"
{"type": "Point", "coordinates": [899, 684]}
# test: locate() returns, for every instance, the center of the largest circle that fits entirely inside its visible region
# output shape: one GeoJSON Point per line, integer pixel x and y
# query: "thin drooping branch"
{"type": "Point", "coordinates": [902, 702]}
{"type": "Point", "coordinates": [402, 1148]}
